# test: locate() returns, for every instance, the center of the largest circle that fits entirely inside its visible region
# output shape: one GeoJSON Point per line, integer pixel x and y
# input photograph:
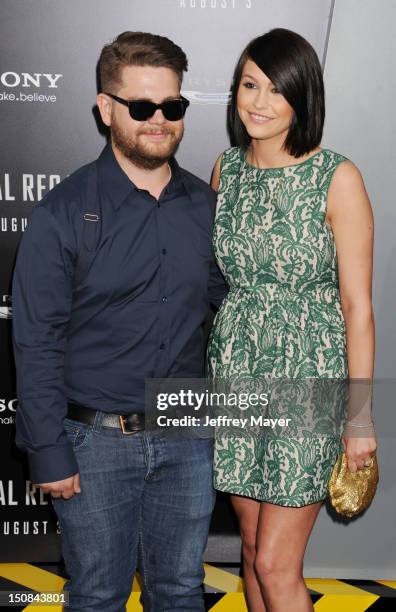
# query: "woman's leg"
{"type": "Point", "coordinates": [282, 538]}
{"type": "Point", "coordinates": [247, 511]}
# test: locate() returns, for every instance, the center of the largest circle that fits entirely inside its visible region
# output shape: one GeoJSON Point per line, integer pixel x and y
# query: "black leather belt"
{"type": "Point", "coordinates": [128, 423]}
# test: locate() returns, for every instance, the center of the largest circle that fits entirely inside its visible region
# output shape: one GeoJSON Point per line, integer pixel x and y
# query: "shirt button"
{"type": "Point", "coordinates": [163, 251]}
{"type": "Point", "coordinates": [164, 299]}
{"type": "Point", "coordinates": [162, 346]}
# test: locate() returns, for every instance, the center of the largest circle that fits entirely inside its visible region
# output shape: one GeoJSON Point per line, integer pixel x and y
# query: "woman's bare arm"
{"type": "Point", "coordinates": [215, 178]}
{"type": "Point", "coordinates": [350, 216]}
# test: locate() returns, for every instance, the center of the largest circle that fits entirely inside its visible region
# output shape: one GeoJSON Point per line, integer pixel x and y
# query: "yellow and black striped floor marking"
{"type": "Point", "coordinates": [328, 595]}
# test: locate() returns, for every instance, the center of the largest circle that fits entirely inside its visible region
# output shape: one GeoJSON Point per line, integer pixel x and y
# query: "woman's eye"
{"type": "Point", "coordinates": [249, 85]}
{"type": "Point", "coordinates": [275, 90]}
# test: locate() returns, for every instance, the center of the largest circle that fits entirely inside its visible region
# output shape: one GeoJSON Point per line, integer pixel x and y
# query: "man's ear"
{"type": "Point", "coordinates": [105, 104]}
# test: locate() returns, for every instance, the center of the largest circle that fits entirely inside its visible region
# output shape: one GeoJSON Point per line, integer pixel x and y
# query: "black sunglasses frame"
{"type": "Point", "coordinates": [131, 104]}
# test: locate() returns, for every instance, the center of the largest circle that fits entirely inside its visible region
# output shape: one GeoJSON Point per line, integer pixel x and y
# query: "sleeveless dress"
{"type": "Point", "coordinates": [281, 319]}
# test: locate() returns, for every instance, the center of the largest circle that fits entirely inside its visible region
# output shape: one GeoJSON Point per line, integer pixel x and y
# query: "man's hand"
{"type": "Point", "coordinates": [62, 488]}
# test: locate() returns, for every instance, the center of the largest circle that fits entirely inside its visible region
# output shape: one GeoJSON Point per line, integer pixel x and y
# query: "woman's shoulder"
{"type": "Point", "coordinates": [227, 164]}
{"type": "Point", "coordinates": [339, 168]}
{"type": "Point", "coordinates": [230, 156]}
{"type": "Point", "coordinates": [344, 180]}
{"type": "Point", "coordinates": [232, 151]}
{"type": "Point", "coordinates": [334, 158]}
{"type": "Point", "coordinates": [346, 167]}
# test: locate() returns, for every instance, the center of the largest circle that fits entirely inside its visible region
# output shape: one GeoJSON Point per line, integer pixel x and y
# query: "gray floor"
{"type": "Point", "coordinates": [223, 549]}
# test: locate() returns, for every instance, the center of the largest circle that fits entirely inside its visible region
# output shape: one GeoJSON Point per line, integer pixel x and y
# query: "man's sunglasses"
{"type": "Point", "coordinates": [141, 110]}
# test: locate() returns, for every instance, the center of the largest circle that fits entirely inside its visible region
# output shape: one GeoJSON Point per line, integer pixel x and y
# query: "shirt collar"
{"type": "Point", "coordinates": [117, 184]}
{"type": "Point", "coordinates": [177, 185]}
{"type": "Point", "coordinates": [112, 179]}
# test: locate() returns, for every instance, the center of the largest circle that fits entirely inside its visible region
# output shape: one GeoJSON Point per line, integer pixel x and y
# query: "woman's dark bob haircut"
{"type": "Point", "coordinates": [292, 65]}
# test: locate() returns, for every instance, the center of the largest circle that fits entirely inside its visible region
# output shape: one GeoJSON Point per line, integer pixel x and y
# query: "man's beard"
{"type": "Point", "coordinates": [141, 155]}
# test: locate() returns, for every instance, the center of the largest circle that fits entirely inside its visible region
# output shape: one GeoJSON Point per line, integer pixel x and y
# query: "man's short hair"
{"type": "Point", "coordinates": [138, 49]}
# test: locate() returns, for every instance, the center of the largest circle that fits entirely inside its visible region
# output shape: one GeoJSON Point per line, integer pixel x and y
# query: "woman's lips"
{"type": "Point", "coordinates": [260, 118]}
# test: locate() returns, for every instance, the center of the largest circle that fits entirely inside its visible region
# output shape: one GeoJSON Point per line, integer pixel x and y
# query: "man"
{"type": "Point", "coordinates": [112, 285]}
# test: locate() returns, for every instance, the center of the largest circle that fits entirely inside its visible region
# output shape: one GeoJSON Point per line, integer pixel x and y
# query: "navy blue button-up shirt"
{"type": "Point", "coordinates": [136, 313]}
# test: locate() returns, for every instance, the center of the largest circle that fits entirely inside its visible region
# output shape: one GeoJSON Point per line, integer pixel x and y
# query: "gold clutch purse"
{"type": "Point", "coordinates": [352, 492]}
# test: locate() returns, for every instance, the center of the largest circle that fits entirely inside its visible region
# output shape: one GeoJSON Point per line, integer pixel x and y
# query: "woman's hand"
{"type": "Point", "coordinates": [358, 451]}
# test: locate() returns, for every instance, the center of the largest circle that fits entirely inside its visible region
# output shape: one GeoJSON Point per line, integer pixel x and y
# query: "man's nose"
{"type": "Point", "coordinates": [158, 117]}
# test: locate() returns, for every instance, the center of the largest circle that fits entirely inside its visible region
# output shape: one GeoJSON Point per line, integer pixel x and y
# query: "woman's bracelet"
{"type": "Point", "coordinates": [370, 424]}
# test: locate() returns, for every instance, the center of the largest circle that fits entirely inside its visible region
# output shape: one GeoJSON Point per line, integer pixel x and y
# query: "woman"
{"type": "Point", "coordinates": [293, 237]}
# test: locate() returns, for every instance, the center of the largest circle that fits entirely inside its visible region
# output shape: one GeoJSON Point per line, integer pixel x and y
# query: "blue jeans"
{"type": "Point", "coordinates": [146, 501]}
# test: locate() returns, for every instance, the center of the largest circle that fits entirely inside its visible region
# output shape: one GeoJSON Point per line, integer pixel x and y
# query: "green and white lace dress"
{"type": "Point", "coordinates": [282, 317]}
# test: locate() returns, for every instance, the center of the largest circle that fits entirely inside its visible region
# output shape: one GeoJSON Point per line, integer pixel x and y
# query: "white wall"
{"type": "Point", "coordinates": [360, 80]}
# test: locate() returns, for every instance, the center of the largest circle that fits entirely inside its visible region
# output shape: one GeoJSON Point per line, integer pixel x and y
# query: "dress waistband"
{"type": "Point", "coordinates": [309, 288]}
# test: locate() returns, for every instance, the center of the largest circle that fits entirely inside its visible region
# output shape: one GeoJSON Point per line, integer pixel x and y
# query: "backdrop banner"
{"type": "Point", "coordinates": [50, 127]}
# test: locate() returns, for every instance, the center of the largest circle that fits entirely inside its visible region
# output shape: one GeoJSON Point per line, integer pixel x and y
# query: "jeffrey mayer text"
{"type": "Point", "coordinates": [220, 421]}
